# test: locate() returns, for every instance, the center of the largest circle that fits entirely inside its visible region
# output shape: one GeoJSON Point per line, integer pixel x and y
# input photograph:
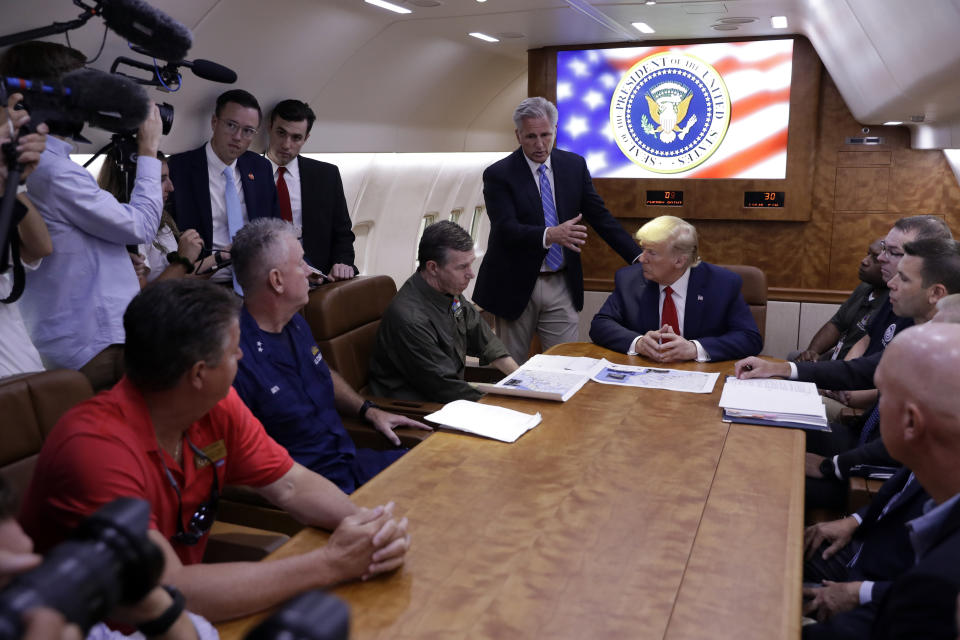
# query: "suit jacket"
{"type": "Point", "coordinates": [715, 313]}
{"type": "Point", "coordinates": [922, 603]}
{"type": "Point", "coordinates": [515, 250]}
{"type": "Point", "coordinates": [327, 229]}
{"type": "Point", "coordinates": [190, 200]}
{"type": "Point", "coordinates": [887, 552]}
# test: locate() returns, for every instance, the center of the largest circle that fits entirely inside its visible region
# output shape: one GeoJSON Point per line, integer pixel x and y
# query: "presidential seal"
{"type": "Point", "coordinates": [670, 112]}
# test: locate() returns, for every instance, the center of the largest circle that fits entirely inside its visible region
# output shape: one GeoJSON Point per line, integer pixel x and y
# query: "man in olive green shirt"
{"type": "Point", "coordinates": [429, 327]}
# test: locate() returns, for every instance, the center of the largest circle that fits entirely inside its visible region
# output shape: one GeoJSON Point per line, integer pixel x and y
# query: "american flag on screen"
{"type": "Point", "coordinates": [756, 76]}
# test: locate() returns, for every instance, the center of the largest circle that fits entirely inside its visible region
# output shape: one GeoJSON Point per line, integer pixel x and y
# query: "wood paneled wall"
{"type": "Point", "coordinates": [857, 193]}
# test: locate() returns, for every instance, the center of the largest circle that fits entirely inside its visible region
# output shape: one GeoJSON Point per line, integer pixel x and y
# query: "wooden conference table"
{"type": "Point", "coordinates": [628, 513]}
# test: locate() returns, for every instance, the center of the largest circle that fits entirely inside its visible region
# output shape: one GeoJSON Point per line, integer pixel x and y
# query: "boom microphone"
{"type": "Point", "coordinates": [149, 28]}
{"type": "Point", "coordinates": [210, 70]}
{"type": "Point", "coordinates": [104, 100]}
{"type": "Point", "coordinates": [107, 101]}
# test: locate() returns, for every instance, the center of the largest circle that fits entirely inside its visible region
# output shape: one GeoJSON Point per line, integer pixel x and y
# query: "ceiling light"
{"type": "Point", "coordinates": [892, 123]}
{"type": "Point", "coordinates": [481, 0]}
{"type": "Point", "coordinates": [483, 36]}
{"type": "Point", "coordinates": [778, 22]}
{"type": "Point", "coordinates": [651, 1]}
{"type": "Point", "coordinates": [389, 6]}
{"type": "Point", "coordinates": [643, 27]}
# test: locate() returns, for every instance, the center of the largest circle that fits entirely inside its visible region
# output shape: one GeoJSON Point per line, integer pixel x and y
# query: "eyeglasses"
{"type": "Point", "coordinates": [245, 132]}
{"type": "Point", "coordinates": [202, 519]}
{"type": "Point", "coordinates": [893, 253]}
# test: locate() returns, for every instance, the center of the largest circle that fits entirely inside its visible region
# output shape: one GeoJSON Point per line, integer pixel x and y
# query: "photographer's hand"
{"type": "Point", "coordinates": [148, 137]}
{"type": "Point", "coordinates": [29, 147]}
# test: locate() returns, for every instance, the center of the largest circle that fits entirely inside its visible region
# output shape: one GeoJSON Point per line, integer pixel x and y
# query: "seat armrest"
{"type": "Point", "coordinates": [364, 436]}
{"type": "Point", "coordinates": [237, 543]}
{"type": "Point", "coordinates": [243, 506]}
{"type": "Point", "coordinates": [411, 408]}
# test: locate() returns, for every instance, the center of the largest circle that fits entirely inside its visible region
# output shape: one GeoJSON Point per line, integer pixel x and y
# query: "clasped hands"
{"type": "Point", "coordinates": [664, 345]}
{"type": "Point", "coordinates": [367, 543]}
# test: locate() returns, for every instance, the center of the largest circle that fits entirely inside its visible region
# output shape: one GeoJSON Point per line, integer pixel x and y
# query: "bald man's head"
{"type": "Point", "coordinates": [920, 396]}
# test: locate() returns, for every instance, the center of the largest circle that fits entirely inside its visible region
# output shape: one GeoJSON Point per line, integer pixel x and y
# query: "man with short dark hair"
{"type": "Point", "coordinates": [310, 192]}
{"type": "Point", "coordinates": [429, 327]}
{"type": "Point", "coordinates": [849, 324]}
{"type": "Point", "coordinates": [74, 301]}
{"type": "Point", "coordinates": [174, 432]}
{"type": "Point", "coordinates": [672, 307]}
{"type": "Point", "coordinates": [531, 277]}
{"type": "Point", "coordinates": [284, 379]}
{"type": "Point", "coordinates": [221, 185]}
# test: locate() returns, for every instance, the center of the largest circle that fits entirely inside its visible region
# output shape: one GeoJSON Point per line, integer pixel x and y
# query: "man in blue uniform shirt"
{"type": "Point", "coordinates": [283, 378]}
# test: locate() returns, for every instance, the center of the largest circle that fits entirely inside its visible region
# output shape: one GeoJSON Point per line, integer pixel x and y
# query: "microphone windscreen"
{"type": "Point", "coordinates": [144, 26]}
{"type": "Point", "coordinates": [106, 100]}
{"type": "Point", "coordinates": [212, 71]}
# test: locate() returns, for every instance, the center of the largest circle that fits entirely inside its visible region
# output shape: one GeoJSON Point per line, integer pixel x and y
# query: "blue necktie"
{"type": "Point", "coordinates": [234, 213]}
{"type": "Point", "coordinates": [555, 252]}
{"type": "Point", "coordinates": [870, 424]}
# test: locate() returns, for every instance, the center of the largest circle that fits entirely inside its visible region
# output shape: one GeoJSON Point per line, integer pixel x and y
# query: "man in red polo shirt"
{"type": "Point", "coordinates": [174, 432]}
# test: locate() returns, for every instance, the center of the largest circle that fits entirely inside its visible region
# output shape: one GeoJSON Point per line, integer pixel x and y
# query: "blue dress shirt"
{"type": "Point", "coordinates": [73, 303]}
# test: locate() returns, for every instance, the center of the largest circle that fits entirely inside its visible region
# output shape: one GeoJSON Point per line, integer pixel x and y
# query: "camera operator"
{"type": "Point", "coordinates": [16, 557]}
{"type": "Point", "coordinates": [17, 353]}
{"type": "Point", "coordinates": [73, 303]}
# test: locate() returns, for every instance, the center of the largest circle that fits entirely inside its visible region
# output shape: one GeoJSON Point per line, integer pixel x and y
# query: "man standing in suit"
{"type": "Point", "coordinates": [221, 185]}
{"type": "Point", "coordinates": [920, 426]}
{"type": "Point", "coordinates": [531, 278]}
{"type": "Point", "coordinates": [310, 192]}
{"type": "Point", "coordinates": [672, 307]}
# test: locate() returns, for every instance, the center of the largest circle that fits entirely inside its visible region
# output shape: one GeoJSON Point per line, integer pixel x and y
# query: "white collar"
{"type": "Point", "coordinates": [292, 167]}
{"type": "Point", "coordinates": [680, 285]}
{"type": "Point", "coordinates": [214, 161]}
{"type": "Point", "coordinates": [535, 166]}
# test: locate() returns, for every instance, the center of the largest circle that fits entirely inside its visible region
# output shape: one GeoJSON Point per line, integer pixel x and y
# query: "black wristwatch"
{"type": "Point", "coordinates": [160, 625]}
{"type": "Point", "coordinates": [366, 406]}
{"type": "Point", "coordinates": [827, 468]}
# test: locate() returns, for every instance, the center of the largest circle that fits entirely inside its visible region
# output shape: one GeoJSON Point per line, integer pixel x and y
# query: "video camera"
{"type": "Point", "coordinates": [109, 561]}
{"type": "Point", "coordinates": [314, 615]}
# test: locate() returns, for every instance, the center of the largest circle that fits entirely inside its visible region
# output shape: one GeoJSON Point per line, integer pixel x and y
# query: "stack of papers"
{"type": "Point", "coordinates": [651, 378]}
{"type": "Point", "coordinates": [547, 377]}
{"type": "Point", "coordinates": [783, 403]}
{"type": "Point", "coordinates": [485, 420]}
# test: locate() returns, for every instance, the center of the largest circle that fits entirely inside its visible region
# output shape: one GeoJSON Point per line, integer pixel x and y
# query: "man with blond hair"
{"type": "Point", "coordinates": [672, 307]}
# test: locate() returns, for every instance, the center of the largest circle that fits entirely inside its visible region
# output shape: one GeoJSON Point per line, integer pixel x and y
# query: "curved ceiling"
{"type": "Point", "coordinates": [380, 81]}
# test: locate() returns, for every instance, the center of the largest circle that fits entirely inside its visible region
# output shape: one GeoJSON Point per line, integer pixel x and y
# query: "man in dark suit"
{"type": "Point", "coordinates": [857, 557]}
{"type": "Point", "coordinates": [672, 307]}
{"type": "Point", "coordinates": [310, 192]}
{"type": "Point", "coordinates": [221, 185]}
{"type": "Point", "coordinates": [920, 426]}
{"type": "Point", "coordinates": [531, 278]}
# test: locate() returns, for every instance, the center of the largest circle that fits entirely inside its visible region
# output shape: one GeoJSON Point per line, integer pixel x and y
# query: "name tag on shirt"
{"type": "Point", "coordinates": [215, 451]}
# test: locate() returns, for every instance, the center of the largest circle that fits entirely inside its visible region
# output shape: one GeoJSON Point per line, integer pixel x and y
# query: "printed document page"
{"type": "Point", "coordinates": [485, 420]}
{"type": "Point", "coordinates": [654, 378]}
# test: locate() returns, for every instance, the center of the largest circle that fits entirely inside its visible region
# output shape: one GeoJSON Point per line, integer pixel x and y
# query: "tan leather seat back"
{"type": "Point", "coordinates": [754, 292]}
{"type": "Point", "coordinates": [344, 317]}
{"type": "Point", "coordinates": [30, 405]}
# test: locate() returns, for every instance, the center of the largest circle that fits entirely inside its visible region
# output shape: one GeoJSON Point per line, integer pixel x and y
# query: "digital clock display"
{"type": "Point", "coordinates": [665, 198]}
{"type": "Point", "coordinates": [763, 198]}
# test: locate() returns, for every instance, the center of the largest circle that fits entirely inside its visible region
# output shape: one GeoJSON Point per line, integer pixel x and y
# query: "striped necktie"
{"type": "Point", "coordinates": [555, 252]}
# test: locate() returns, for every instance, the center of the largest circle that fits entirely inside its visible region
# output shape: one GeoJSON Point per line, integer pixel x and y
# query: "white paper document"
{"type": "Point", "coordinates": [485, 420]}
{"type": "Point", "coordinates": [655, 378]}
{"type": "Point", "coordinates": [774, 400]}
{"type": "Point", "coordinates": [547, 377]}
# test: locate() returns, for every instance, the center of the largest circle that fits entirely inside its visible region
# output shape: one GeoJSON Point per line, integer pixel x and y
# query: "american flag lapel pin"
{"type": "Point", "coordinates": [250, 175]}
{"type": "Point", "coordinates": [699, 298]}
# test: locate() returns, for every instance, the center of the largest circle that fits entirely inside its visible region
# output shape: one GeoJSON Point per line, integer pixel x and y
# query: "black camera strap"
{"type": "Point", "coordinates": [13, 246]}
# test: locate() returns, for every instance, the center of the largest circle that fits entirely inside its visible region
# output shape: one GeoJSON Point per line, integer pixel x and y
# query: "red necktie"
{"type": "Point", "coordinates": [669, 312]}
{"type": "Point", "coordinates": [283, 195]}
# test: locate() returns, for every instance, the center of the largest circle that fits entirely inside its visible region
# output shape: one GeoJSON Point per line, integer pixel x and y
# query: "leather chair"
{"type": "Point", "coordinates": [344, 317]}
{"type": "Point", "coordinates": [30, 405]}
{"type": "Point", "coordinates": [754, 292]}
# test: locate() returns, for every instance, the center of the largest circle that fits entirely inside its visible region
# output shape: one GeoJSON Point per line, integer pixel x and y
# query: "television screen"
{"type": "Point", "coordinates": [715, 110]}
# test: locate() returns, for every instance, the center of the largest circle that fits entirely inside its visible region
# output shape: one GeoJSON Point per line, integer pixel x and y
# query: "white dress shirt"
{"type": "Point", "coordinates": [680, 302]}
{"type": "Point", "coordinates": [218, 202]}
{"type": "Point", "coordinates": [292, 178]}
{"type": "Point", "coordinates": [535, 169]}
